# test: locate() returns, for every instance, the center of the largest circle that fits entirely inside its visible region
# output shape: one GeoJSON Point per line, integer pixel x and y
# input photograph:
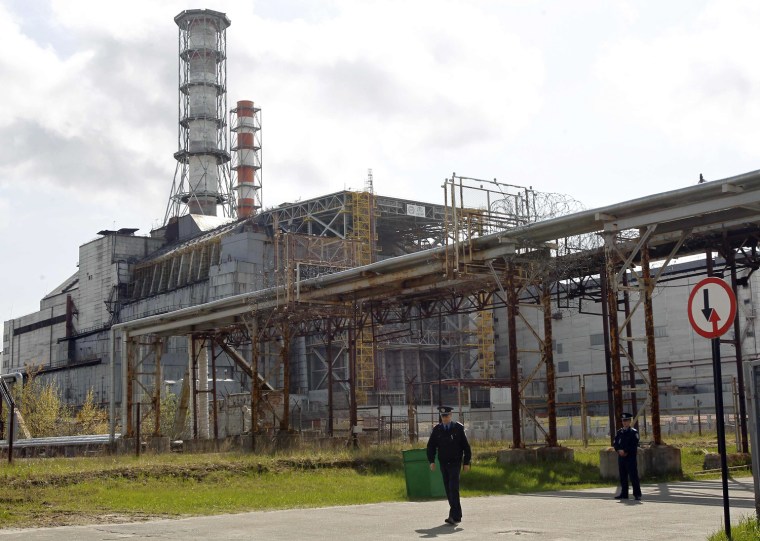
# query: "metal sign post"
{"type": "Point", "coordinates": [712, 309]}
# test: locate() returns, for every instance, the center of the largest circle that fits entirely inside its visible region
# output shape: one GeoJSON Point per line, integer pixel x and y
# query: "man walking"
{"type": "Point", "coordinates": [450, 442]}
{"type": "Point", "coordinates": [626, 444]}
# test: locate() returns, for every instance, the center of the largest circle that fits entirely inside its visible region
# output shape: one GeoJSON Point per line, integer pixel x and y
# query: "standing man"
{"type": "Point", "coordinates": [626, 444]}
{"type": "Point", "coordinates": [454, 453]}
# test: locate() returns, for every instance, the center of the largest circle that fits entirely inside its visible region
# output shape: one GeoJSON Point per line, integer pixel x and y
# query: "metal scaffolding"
{"type": "Point", "coordinates": [420, 298]}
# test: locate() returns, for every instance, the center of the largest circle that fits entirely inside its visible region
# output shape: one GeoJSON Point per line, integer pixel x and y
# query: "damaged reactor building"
{"type": "Point", "coordinates": [324, 315]}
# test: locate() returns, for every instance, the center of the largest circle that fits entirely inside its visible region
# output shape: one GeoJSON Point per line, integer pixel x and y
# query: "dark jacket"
{"type": "Point", "coordinates": [627, 439]}
{"type": "Point", "coordinates": [452, 445]}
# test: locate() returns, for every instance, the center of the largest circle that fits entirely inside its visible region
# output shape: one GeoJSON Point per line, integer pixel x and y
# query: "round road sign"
{"type": "Point", "coordinates": [712, 307]}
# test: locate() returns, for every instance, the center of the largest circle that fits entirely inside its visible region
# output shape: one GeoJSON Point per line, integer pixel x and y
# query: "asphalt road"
{"type": "Point", "coordinates": [668, 511]}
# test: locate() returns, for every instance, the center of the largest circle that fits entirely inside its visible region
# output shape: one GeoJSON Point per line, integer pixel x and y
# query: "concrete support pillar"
{"type": "Point", "coordinates": [203, 394]}
{"type": "Point", "coordinates": [192, 369]}
{"type": "Point", "coordinates": [142, 378]}
{"type": "Point", "coordinates": [158, 348]}
{"type": "Point", "coordinates": [129, 385]}
{"type": "Point", "coordinates": [744, 444]}
{"type": "Point", "coordinates": [253, 330]}
{"type": "Point", "coordinates": [111, 386]}
{"type": "Point", "coordinates": [353, 415]}
{"type": "Point", "coordinates": [330, 382]}
{"type": "Point", "coordinates": [125, 402]}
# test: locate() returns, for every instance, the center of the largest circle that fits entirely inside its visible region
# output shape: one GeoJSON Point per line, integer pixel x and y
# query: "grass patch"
{"type": "Point", "coordinates": [50, 492]}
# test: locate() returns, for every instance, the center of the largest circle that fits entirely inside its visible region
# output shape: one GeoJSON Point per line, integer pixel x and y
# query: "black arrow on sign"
{"type": "Point", "coordinates": [707, 311]}
{"type": "Point", "coordinates": [710, 315]}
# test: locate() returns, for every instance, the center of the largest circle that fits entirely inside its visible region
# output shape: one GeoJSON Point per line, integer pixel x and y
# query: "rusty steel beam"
{"type": "Point", "coordinates": [654, 392]}
{"type": "Point", "coordinates": [238, 359]}
{"type": "Point", "coordinates": [612, 308]}
{"type": "Point", "coordinates": [514, 380]}
{"type": "Point", "coordinates": [551, 383]}
{"type": "Point", "coordinates": [285, 359]}
{"type": "Point", "coordinates": [629, 347]}
{"type": "Point", "coordinates": [604, 287]}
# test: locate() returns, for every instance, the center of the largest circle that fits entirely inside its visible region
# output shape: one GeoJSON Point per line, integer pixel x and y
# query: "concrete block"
{"type": "Point", "coordinates": [712, 460]}
{"type": "Point", "coordinates": [608, 464]}
{"type": "Point", "coordinates": [286, 440]}
{"type": "Point", "coordinates": [159, 444]}
{"type": "Point", "coordinates": [516, 456]}
{"type": "Point", "coordinates": [125, 446]}
{"type": "Point", "coordinates": [199, 446]}
{"type": "Point", "coordinates": [555, 454]}
{"type": "Point", "coordinates": [664, 460]}
{"type": "Point", "coordinates": [653, 461]}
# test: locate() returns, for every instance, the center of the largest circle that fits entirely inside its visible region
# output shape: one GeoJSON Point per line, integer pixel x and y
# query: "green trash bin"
{"type": "Point", "coordinates": [420, 481]}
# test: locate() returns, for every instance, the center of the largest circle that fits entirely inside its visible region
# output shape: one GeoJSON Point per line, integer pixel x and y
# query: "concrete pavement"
{"type": "Point", "coordinates": [669, 511]}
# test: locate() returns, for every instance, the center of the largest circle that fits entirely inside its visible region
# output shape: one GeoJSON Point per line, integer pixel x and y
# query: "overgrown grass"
{"type": "Point", "coordinates": [60, 491]}
{"type": "Point", "coordinates": [46, 492]}
{"type": "Point", "coordinates": [748, 529]}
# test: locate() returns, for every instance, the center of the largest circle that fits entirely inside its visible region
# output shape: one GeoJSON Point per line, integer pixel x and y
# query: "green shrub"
{"type": "Point", "coordinates": [41, 408]}
{"type": "Point", "coordinates": [91, 418]}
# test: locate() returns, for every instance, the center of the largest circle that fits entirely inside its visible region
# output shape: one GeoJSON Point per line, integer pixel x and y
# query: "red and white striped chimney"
{"type": "Point", "coordinates": [246, 148]}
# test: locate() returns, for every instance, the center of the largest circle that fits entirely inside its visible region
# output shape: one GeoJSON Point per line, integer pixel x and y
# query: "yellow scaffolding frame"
{"type": "Point", "coordinates": [486, 348]}
{"type": "Point", "coordinates": [362, 210]}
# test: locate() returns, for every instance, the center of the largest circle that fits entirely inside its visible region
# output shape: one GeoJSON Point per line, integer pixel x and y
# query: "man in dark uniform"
{"type": "Point", "coordinates": [454, 454]}
{"type": "Point", "coordinates": [626, 444]}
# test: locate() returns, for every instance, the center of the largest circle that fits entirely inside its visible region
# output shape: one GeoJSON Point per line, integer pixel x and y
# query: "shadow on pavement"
{"type": "Point", "coordinates": [684, 493]}
{"type": "Point", "coordinates": [444, 529]}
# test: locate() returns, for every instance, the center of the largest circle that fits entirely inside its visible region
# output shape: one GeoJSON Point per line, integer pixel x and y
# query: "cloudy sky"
{"type": "Point", "coordinates": [602, 100]}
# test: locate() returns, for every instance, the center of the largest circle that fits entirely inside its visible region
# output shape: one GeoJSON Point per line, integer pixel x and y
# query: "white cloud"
{"type": "Point", "coordinates": [691, 81]}
{"type": "Point", "coordinates": [386, 84]}
{"type": "Point", "coordinates": [5, 215]}
{"type": "Point", "coordinates": [606, 101]}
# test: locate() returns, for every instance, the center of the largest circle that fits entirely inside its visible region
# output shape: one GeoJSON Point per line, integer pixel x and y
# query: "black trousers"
{"type": "Point", "coordinates": [627, 467]}
{"type": "Point", "coordinates": [450, 473]}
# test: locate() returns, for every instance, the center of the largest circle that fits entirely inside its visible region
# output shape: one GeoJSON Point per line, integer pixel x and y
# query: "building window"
{"type": "Point", "coordinates": [597, 339]}
{"type": "Point", "coordinates": [556, 347]}
{"type": "Point", "coordinates": [563, 366]}
{"type": "Point", "coordinates": [660, 331]}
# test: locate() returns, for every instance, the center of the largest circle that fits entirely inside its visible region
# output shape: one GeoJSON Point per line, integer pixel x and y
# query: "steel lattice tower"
{"type": "Point", "coordinates": [202, 179]}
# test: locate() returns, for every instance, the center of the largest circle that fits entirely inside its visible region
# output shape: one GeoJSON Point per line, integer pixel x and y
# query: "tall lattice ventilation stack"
{"type": "Point", "coordinates": [201, 181]}
{"type": "Point", "coordinates": [245, 136]}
